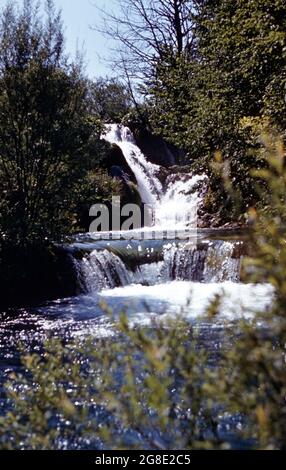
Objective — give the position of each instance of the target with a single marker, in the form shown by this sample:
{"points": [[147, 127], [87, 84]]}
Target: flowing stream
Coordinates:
{"points": [[146, 278]]}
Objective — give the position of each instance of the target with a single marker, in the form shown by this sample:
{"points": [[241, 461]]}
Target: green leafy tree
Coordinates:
{"points": [[109, 99], [44, 126], [236, 70]]}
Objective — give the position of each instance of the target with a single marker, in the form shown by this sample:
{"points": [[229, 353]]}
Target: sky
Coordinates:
{"points": [[78, 17]]}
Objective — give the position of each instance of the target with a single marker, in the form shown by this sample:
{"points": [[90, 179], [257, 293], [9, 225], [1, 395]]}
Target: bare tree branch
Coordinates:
{"points": [[144, 31]]}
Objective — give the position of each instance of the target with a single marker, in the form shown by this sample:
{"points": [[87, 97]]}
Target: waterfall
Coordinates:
{"points": [[175, 205], [149, 186], [182, 263], [103, 269], [220, 263], [178, 205], [210, 262]]}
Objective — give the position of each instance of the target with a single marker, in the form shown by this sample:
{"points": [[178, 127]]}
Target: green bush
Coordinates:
{"points": [[256, 381]]}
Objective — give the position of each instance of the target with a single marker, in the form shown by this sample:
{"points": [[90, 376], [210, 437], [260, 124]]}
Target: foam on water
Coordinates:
{"points": [[192, 299]]}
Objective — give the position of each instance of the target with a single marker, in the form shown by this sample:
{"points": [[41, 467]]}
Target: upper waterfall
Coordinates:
{"points": [[174, 205], [149, 186]]}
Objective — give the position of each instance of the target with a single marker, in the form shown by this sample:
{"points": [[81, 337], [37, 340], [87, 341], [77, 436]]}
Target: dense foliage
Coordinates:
{"points": [[109, 99], [43, 129], [50, 124], [52, 161], [234, 73]]}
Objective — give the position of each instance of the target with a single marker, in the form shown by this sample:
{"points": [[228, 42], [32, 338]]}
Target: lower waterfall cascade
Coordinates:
{"points": [[173, 279], [210, 262]]}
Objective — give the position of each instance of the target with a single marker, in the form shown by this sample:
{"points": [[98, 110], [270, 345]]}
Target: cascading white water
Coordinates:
{"points": [[103, 269], [174, 207], [149, 186], [203, 267], [179, 204], [211, 262], [220, 264]]}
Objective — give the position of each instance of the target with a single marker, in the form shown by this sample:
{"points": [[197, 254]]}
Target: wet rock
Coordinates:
{"points": [[131, 194], [116, 158], [166, 175], [117, 172], [155, 148]]}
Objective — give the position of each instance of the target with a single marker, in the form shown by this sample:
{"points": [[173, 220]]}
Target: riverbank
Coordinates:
{"points": [[35, 274]]}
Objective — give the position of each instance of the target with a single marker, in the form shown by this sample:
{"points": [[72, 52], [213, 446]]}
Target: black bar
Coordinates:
{"points": [[130, 459]]}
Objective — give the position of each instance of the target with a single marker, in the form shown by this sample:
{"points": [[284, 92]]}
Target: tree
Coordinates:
{"points": [[245, 43], [44, 127], [109, 99], [240, 55], [145, 30], [235, 76]]}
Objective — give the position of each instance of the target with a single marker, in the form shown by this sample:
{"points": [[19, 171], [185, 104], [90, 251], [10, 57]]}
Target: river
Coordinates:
{"points": [[145, 273]]}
